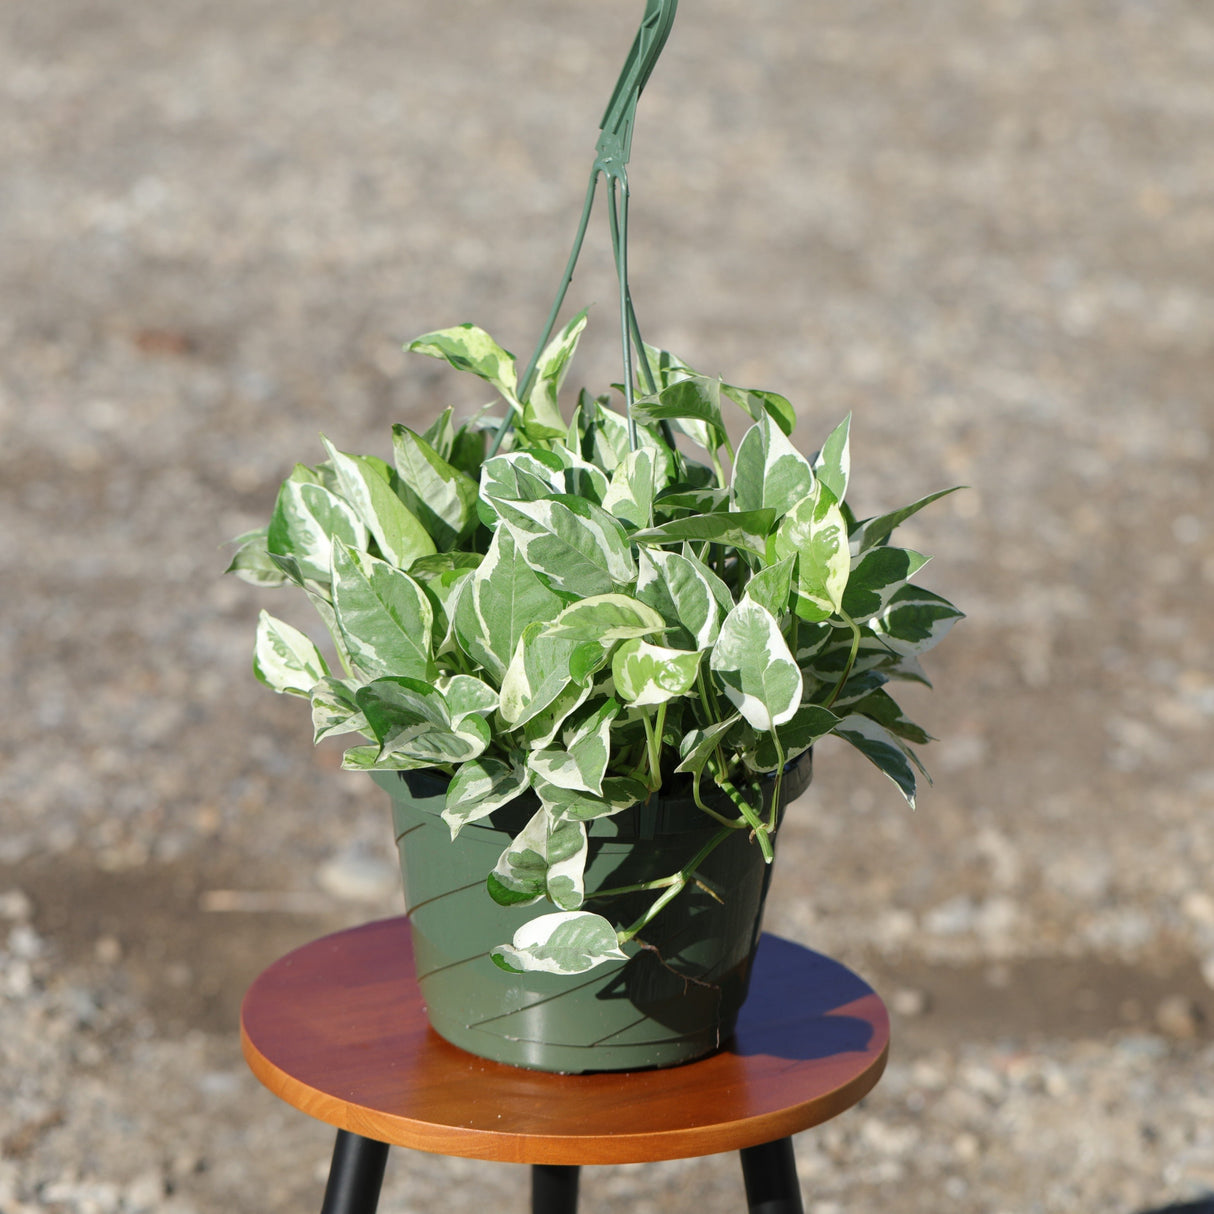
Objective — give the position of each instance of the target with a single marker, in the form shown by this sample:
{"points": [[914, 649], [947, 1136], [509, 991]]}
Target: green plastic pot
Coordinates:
{"points": [[677, 999]]}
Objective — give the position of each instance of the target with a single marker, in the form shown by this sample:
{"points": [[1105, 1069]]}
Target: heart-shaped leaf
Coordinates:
{"points": [[754, 666], [560, 943]]}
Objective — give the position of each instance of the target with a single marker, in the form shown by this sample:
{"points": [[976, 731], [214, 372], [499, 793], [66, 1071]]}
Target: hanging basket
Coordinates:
{"points": [[676, 998]]}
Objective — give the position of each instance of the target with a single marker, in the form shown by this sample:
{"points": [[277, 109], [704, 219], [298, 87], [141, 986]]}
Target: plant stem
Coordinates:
{"points": [[851, 659], [748, 812]]}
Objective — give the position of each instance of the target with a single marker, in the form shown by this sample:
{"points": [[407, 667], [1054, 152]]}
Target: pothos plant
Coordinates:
{"points": [[582, 609]]}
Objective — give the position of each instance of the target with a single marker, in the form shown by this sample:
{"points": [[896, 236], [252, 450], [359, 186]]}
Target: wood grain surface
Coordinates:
{"points": [[337, 1029]]}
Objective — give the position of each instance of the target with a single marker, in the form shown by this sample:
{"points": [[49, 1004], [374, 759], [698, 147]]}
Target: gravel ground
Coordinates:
{"points": [[983, 226]]}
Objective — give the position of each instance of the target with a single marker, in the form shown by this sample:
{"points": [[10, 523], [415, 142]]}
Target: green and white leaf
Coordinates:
{"points": [[756, 402], [753, 664], [541, 729], [335, 709], [542, 414], [874, 531], [537, 674], [772, 587], [914, 621], [384, 616], [284, 659], [651, 674], [886, 711], [606, 618], [369, 758], [561, 943], [815, 531], [746, 529], [580, 762], [466, 695], [619, 793], [468, 348], [365, 485], [876, 577], [500, 599], [307, 519], [881, 748], [681, 590], [441, 497], [768, 471], [809, 724], [630, 495], [833, 462], [574, 546], [547, 858], [252, 562], [411, 718], [693, 403], [479, 788]]}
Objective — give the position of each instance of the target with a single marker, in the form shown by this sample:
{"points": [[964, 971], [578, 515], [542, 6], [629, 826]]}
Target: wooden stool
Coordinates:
{"points": [[337, 1029]]}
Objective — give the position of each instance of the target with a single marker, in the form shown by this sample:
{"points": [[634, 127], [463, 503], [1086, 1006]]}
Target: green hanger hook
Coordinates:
{"points": [[612, 153]]}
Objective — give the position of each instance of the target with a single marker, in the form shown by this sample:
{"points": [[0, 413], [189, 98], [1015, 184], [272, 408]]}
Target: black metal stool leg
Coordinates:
{"points": [[770, 1173], [355, 1176], [553, 1189]]}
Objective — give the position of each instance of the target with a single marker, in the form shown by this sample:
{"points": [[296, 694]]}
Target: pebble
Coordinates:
{"points": [[1179, 1017], [15, 904], [909, 1001]]}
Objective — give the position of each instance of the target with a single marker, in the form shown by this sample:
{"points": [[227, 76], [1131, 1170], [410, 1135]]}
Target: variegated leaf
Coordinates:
{"points": [[284, 659], [884, 709], [815, 531], [630, 495], [480, 787], [538, 673], [807, 725], [618, 793], [756, 403], [466, 695], [502, 597], [876, 577], [384, 616], [768, 471], [680, 590], [252, 562], [914, 621], [335, 710], [605, 618], [365, 485], [875, 530], [547, 858], [881, 748], [468, 348], [833, 462], [651, 674], [560, 943], [746, 529], [369, 758], [441, 497], [411, 718], [576, 547], [754, 666], [695, 399], [580, 761], [772, 587], [307, 519], [542, 415]]}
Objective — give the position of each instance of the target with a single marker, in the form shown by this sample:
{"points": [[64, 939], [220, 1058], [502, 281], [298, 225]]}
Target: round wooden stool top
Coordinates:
{"points": [[338, 1029]]}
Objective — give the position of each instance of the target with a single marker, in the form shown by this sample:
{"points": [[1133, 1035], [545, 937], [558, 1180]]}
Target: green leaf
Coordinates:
{"points": [[575, 547], [440, 434], [915, 620], [560, 943], [757, 403], [466, 695], [695, 398], [335, 710], [651, 674], [816, 532], [619, 793], [808, 724], [252, 562], [368, 758], [501, 598], [700, 745], [480, 787], [284, 659], [399, 534], [442, 576], [704, 500], [884, 709], [768, 471], [542, 415], [772, 587], [540, 730], [876, 577], [748, 529], [754, 666], [547, 858], [307, 519], [875, 530], [605, 618], [833, 462], [679, 589], [441, 497], [468, 348], [880, 747], [384, 616]]}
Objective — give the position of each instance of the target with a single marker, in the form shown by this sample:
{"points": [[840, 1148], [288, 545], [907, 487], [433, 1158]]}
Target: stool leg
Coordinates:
{"points": [[770, 1174], [553, 1189], [355, 1176]]}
